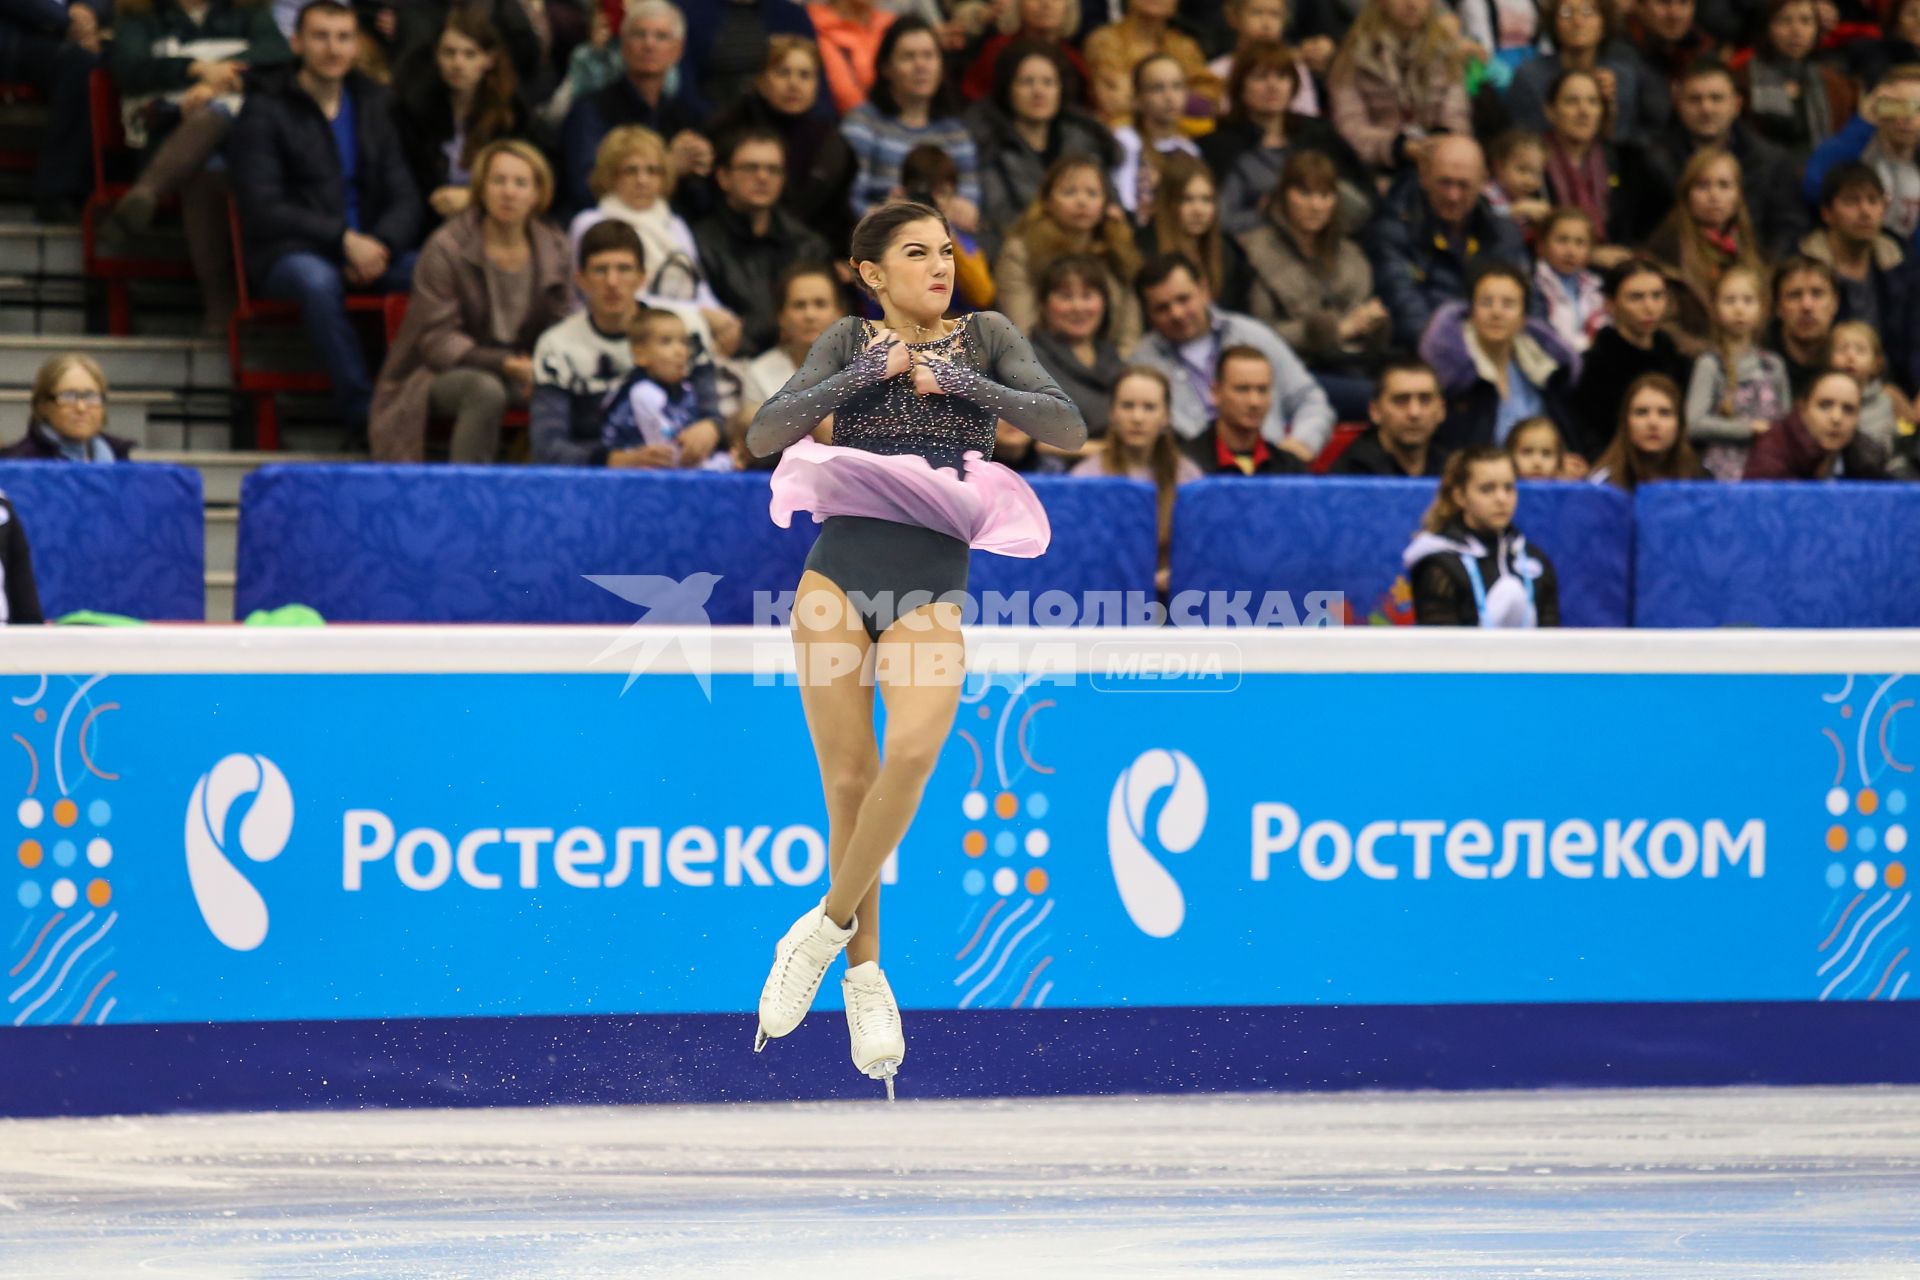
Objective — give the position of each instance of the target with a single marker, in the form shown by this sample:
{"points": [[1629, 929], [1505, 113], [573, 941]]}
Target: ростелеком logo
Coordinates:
{"points": [[1148, 891], [231, 906]]}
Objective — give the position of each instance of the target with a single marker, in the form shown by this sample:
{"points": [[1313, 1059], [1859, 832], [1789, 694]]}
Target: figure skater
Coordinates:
{"points": [[905, 492]]}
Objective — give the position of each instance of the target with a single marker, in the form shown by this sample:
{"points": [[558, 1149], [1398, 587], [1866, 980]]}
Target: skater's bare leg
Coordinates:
{"points": [[919, 666], [831, 647]]}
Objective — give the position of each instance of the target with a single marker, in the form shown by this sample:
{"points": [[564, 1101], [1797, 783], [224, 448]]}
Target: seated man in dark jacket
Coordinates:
{"points": [[1231, 444], [652, 37], [749, 240], [1707, 106], [1430, 235], [1407, 409], [326, 200]]}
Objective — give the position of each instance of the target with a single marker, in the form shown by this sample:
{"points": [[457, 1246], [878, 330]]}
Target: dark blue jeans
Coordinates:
{"points": [[59, 70], [318, 288]]}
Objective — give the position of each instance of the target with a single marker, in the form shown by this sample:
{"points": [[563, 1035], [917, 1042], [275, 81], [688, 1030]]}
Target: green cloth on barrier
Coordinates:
{"points": [[88, 618], [287, 615]]}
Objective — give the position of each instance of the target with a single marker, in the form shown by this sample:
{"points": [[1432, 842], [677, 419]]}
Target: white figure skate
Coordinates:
{"points": [[873, 1023], [800, 960]]}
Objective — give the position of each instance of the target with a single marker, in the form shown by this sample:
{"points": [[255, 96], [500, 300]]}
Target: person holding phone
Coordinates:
{"points": [[1884, 135]]}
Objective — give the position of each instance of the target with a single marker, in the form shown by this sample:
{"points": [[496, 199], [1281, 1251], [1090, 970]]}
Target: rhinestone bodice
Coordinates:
{"points": [[892, 417]]}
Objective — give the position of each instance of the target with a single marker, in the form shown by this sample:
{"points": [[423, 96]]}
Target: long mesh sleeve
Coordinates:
{"points": [[1019, 389], [836, 368]]}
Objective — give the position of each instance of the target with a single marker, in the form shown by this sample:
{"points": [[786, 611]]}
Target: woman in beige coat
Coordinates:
{"points": [[1073, 213], [1313, 284], [489, 282]]}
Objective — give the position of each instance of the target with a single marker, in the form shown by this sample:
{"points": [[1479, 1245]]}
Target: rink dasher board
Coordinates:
{"points": [[400, 864], [400, 648]]}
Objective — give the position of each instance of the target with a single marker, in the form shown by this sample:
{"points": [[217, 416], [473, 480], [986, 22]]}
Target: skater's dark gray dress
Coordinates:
{"points": [[907, 487]]}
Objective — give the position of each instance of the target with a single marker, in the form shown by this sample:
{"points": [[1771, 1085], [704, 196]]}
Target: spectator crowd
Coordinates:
{"points": [[1625, 241]]}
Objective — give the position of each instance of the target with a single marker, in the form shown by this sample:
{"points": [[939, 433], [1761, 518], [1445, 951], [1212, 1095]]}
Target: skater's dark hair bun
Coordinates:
{"points": [[876, 232]]}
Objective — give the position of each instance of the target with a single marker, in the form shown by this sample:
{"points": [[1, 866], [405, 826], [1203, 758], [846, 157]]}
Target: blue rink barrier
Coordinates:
{"points": [[462, 866], [487, 544], [1317, 534], [128, 539], [1777, 554]]}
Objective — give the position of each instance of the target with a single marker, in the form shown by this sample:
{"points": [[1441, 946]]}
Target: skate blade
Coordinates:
{"points": [[884, 1071]]}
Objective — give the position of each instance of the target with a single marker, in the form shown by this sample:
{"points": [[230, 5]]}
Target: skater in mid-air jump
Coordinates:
{"points": [[906, 490]]}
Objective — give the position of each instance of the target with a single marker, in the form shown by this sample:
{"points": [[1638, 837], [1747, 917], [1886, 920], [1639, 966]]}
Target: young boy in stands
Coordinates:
{"points": [[656, 418], [579, 362]]}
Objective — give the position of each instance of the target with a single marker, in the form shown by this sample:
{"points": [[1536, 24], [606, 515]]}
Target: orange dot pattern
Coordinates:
{"points": [[1836, 838], [30, 853], [99, 893], [975, 843], [1036, 881], [66, 813], [1006, 804], [1896, 875], [1868, 800]]}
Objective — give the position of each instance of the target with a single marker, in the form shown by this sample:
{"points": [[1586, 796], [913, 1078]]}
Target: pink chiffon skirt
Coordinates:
{"points": [[992, 509]]}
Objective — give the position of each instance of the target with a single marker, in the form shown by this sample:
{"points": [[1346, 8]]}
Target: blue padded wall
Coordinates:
{"points": [[480, 544], [1321, 533], [128, 538], [1777, 555]]}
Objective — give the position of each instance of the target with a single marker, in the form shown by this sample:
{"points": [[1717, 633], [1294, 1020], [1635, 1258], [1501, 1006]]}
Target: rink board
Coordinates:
{"points": [[477, 865]]}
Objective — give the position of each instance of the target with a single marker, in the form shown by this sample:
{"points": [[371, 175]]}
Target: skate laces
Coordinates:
{"points": [[875, 1015], [796, 982]]}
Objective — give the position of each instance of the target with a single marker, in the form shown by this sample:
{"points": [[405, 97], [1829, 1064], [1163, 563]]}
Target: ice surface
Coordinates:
{"points": [[1696, 1184]]}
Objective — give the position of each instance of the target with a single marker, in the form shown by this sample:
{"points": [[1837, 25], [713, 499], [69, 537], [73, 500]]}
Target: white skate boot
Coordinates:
{"points": [[873, 1023], [800, 960]]}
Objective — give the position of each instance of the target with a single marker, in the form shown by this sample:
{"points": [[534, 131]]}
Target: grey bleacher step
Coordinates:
{"points": [[30, 249], [196, 363], [222, 472], [23, 320], [42, 304], [220, 596], [223, 539], [127, 415], [174, 435]]}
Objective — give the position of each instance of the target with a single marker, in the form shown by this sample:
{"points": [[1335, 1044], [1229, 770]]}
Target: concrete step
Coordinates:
{"points": [[149, 362], [220, 596], [127, 416], [223, 539], [221, 473], [29, 249], [42, 304], [35, 320], [188, 436]]}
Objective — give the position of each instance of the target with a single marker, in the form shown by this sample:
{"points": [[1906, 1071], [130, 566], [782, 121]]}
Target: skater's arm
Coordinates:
{"points": [[1019, 391], [834, 371]]}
